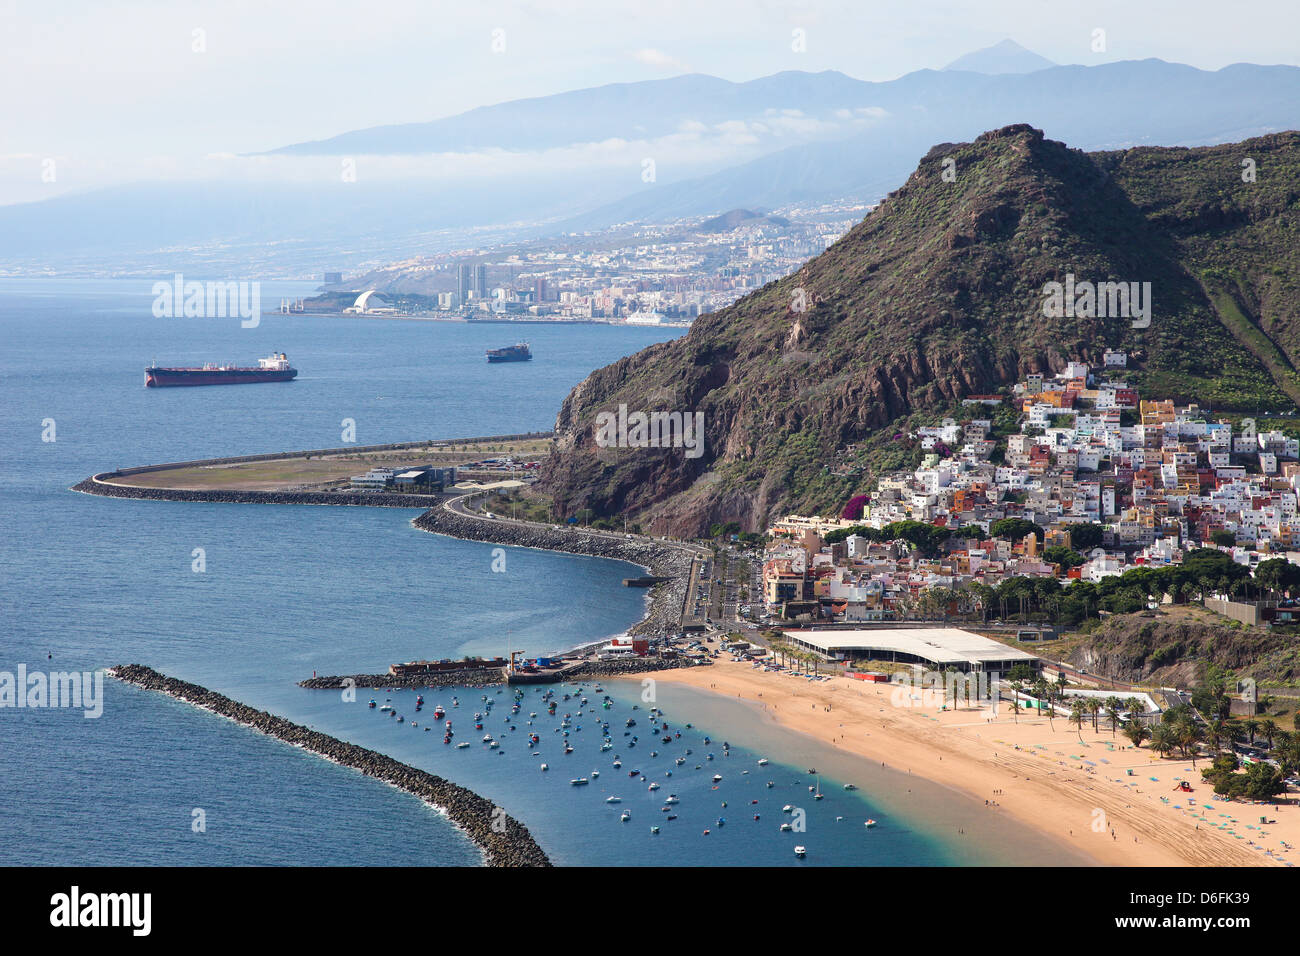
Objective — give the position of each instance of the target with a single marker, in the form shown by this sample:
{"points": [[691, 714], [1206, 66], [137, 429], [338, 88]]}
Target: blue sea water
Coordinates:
{"points": [[289, 591]]}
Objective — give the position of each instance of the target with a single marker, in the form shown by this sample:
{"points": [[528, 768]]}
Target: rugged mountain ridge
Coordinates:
{"points": [[938, 295]]}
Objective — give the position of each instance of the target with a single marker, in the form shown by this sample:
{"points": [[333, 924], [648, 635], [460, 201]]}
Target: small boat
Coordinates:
{"points": [[770, 785], [371, 705], [613, 799], [679, 761], [595, 774], [624, 816], [578, 781], [869, 824], [706, 831], [462, 745], [763, 762], [671, 816], [545, 767], [788, 808], [717, 777], [654, 829], [654, 786], [672, 798], [850, 786], [800, 852], [722, 821], [400, 719], [786, 828], [386, 709]]}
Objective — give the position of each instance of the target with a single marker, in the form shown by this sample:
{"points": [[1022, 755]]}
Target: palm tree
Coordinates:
{"points": [[1251, 726], [1016, 687], [953, 677], [1094, 708], [1187, 734], [1136, 731], [1215, 731], [1163, 739], [1113, 708], [1269, 729], [1078, 715]]}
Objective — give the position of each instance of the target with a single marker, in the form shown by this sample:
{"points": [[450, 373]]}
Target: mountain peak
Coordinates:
{"points": [[1005, 57], [809, 386]]}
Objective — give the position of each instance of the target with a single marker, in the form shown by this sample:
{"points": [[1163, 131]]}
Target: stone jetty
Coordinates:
{"points": [[493, 676], [477, 677], [504, 840]]}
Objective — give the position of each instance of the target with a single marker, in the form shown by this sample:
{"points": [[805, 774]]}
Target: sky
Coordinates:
{"points": [[123, 90]]}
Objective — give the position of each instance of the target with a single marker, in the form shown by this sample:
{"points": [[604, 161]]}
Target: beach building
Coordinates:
{"points": [[935, 647]]}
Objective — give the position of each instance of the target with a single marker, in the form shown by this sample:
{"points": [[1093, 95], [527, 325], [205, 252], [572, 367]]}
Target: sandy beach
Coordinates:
{"points": [[1088, 789]]}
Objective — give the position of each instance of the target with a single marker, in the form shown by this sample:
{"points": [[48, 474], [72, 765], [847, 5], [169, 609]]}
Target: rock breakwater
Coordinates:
{"points": [[504, 840]]}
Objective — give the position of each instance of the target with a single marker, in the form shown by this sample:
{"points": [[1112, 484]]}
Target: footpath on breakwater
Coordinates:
{"points": [[666, 560], [504, 840]]}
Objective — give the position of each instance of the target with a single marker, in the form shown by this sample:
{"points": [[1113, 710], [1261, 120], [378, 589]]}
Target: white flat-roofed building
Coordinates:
{"points": [[936, 647]]}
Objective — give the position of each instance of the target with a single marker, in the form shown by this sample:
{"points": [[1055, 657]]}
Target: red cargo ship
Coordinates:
{"points": [[275, 368]]}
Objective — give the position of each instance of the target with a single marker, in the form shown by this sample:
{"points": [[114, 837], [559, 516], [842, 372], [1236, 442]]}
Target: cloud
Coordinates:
{"points": [[660, 60]]}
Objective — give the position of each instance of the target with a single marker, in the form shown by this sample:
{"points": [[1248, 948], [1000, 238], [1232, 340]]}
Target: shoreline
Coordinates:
{"points": [[1011, 766], [660, 559], [503, 840]]}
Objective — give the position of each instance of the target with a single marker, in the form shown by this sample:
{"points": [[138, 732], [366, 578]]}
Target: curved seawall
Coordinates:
{"points": [[660, 558], [504, 840]]}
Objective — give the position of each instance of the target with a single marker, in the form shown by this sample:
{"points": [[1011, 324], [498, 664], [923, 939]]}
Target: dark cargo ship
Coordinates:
{"points": [[512, 353], [275, 368]]}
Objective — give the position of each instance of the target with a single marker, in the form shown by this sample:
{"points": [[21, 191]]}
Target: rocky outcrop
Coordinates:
{"points": [[937, 295], [1175, 653], [504, 840]]}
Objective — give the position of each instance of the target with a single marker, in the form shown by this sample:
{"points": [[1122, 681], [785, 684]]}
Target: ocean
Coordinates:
{"points": [[291, 591]]}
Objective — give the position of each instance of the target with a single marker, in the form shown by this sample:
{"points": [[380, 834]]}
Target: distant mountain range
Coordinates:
{"points": [[808, 387], [1005, 57], [768, 143]]}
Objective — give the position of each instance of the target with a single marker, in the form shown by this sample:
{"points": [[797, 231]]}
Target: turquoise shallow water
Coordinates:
{"points": [[288, 591]]}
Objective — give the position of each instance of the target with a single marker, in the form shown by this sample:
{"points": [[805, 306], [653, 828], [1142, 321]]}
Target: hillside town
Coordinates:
{"points": [[1094, 482]]}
